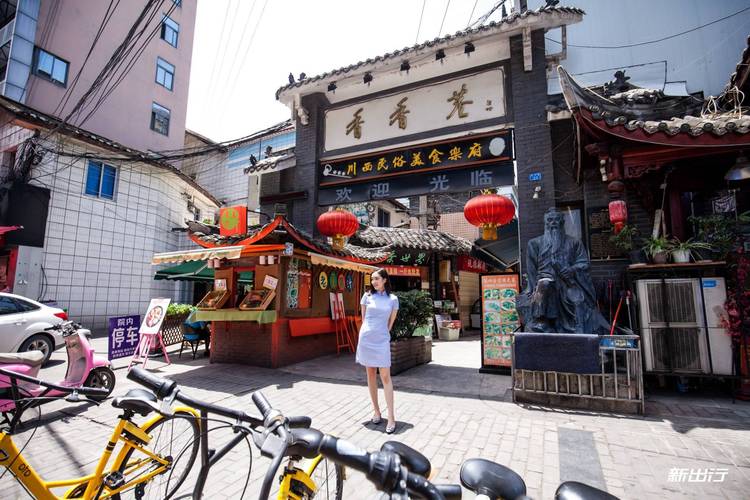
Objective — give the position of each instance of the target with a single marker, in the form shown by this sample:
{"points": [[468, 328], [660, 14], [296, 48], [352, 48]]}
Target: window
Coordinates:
{"points": [[8, 306], [178, 3], [164, 73], [384, 218], [100, 180], [169, 31], [50, 67], [24, 305], [159, 119]]}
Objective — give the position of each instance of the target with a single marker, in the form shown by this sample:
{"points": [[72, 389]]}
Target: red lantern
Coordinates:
{"points": [[618, 214], [339, 224], [489, 211]]}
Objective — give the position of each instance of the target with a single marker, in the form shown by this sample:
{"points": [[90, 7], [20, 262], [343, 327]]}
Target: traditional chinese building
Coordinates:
{"points": [[447, 118]]}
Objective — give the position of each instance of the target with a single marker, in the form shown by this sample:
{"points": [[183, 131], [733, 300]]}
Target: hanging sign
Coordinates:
{"points": [[323, 280], [233, 220], [499, 317], [471, 264], [333, 280], [407, 257], [430, 157], [349, 281]]}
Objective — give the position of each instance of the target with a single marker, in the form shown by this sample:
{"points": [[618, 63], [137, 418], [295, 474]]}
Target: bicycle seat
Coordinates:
{"points": [[411, 458], [29, 358], [305, 443], [140, 401], [489, 478], [573, 490]]}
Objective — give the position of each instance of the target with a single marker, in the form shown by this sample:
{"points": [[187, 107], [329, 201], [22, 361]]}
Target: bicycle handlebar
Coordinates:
{"points": [[86, 391], [383, 468], [163, 388]]}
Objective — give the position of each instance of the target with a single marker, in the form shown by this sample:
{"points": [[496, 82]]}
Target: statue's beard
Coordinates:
{"points": [[553, 238]]}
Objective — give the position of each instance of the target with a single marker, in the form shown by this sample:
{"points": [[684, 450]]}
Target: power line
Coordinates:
{"points": [[472, 12], [445, 14], [212, 75], [639, 44], [419, 26]]}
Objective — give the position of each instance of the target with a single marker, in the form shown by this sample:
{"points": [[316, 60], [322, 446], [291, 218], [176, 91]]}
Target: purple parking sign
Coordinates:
{"points": [[123, 336]]}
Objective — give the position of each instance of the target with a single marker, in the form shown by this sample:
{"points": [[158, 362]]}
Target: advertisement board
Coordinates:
{"points": [[499, 318], [123, 336]]}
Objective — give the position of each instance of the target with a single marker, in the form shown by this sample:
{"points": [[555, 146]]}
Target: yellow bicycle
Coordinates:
{"points": [[152, 461]]}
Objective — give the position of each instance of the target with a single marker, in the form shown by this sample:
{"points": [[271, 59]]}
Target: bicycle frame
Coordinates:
{"points": [[10, 458], [294, 475]]}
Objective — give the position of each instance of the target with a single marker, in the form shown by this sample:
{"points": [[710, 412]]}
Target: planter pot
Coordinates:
{"points": [[681, 256], [660, 257], [448, 333], [637, 257], [410, 352]]}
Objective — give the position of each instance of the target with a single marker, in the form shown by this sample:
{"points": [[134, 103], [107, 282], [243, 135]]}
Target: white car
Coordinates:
{"points": [[23, 322]]}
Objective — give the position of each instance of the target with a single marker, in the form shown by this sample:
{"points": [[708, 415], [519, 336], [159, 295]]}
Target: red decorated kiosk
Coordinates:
{"points": [[299, 284]]}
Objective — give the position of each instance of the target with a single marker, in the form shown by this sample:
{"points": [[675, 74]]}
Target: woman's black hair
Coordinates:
{"points": [[383, 274]]}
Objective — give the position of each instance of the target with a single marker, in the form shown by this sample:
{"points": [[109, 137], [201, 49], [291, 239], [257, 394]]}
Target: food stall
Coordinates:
{"points": [[299, 284]]}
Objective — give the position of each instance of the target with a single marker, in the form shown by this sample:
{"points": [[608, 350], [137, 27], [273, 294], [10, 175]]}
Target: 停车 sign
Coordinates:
{"points": [[459, 181], [123, 336], [433, 157]]}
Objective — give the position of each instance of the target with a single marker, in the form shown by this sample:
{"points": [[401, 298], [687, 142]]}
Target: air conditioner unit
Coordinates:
{"points": [[680, 327]]}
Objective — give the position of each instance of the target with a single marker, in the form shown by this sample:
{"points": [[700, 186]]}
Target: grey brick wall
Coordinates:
{"points": [[567, 190], [532, 137]]}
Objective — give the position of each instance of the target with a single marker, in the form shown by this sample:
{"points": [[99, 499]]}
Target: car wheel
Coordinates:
{"points": [[38, 342]]}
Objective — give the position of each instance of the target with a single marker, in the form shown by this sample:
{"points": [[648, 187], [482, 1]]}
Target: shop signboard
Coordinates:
{"points": [[403, 271], [233, 220], [459, 101], [123, 336], [499, 318], [600, 231], [407, 257], [157, 311], [471, 264]]}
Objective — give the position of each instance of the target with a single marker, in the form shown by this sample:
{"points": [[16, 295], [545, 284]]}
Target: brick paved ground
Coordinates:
{"points": [[631, 456]]}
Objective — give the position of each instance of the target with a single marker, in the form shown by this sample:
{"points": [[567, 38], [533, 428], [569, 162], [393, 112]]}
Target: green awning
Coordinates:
{"points": [[195, 271]]}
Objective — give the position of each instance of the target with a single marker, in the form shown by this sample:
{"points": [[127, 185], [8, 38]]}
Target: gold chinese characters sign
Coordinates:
{"points": [[463, 100], [471, 163]]}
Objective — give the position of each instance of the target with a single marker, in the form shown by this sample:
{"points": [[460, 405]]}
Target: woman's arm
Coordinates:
{"points": [[364, 309], [392, 319]]}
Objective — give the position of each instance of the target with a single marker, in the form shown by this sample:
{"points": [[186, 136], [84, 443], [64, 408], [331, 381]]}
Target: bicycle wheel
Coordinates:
{"points": [[328, 477], [175, 438]]}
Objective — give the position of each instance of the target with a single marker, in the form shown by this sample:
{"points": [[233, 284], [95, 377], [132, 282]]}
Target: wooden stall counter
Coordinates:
{"points": [[235, 315]]}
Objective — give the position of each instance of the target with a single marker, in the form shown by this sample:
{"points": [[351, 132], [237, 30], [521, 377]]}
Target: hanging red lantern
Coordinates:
{"points": [[339, 224], [618, 214], [489, 211]]}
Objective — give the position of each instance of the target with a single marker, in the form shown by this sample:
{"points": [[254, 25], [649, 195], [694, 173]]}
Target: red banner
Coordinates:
{"points": [[233, 220], [403, 271], [471, 264]]}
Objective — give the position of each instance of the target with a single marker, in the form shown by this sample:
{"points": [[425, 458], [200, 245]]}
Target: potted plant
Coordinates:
{"points": [[657, 249], [719, 231], [625, 240], [683, 250], [408, 347]]}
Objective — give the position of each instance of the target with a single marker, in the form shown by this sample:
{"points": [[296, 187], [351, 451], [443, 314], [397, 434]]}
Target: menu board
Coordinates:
{"points": [[499, 317], [599, 231]]}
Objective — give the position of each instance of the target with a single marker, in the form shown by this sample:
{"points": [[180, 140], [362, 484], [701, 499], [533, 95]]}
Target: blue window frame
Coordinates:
{"points": [[160, 119], [101, 180], [170, 31], [164, 73]]}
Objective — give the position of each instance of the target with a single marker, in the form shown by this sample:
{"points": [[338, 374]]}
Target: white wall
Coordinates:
{"points": [[703, 58], [97, 252]]}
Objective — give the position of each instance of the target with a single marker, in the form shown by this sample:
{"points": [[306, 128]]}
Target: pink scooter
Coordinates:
{"points": [[84, 369]]}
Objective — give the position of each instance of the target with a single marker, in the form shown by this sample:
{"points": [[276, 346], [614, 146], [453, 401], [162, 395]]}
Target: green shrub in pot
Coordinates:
{"points": [[414, 311], [657, 249], [683, 250], [627, 240]]}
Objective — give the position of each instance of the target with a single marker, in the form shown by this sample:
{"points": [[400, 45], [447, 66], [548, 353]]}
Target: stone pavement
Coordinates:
{"points": [[661, 455]]}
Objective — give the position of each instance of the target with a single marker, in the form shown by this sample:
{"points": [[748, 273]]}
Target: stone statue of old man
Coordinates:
{"points": [[559, 295]]}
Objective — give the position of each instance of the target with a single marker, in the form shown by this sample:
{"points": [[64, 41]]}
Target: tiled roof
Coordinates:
{"points": [[280, 235], [651, 111], [419, 239], [506, 22], [43, 119], [280, 161]]}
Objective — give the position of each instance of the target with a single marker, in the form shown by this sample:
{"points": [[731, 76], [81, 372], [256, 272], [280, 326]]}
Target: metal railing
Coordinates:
{"points": [[620, 380]]}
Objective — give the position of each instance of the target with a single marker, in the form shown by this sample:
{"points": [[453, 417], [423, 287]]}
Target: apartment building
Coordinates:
{"points": [[45, 64]]}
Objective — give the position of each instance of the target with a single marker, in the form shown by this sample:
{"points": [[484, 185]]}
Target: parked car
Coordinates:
{"points": [[23, 322]]}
